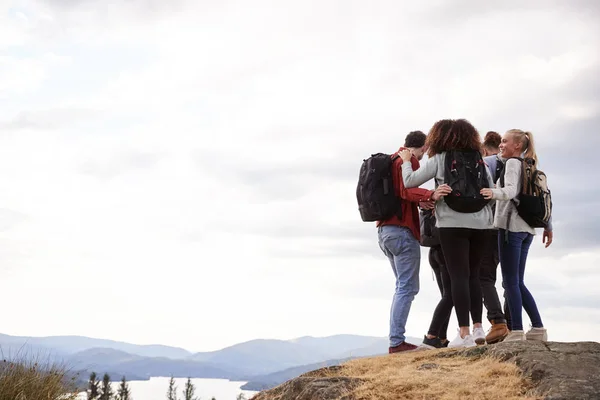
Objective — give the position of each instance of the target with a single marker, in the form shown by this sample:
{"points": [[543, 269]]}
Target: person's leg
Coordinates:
{"points": [[434, 262], [443, 311], [405, 252], [510, 254], [528, 301], [477, 249], [507, 310], [479, 242], [455, 245], [445, 277], [487, 277]]}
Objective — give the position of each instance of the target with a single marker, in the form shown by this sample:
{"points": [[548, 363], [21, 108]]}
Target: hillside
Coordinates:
{"points": [[134, 367], [263, 362], [263, 382], [67, 345], [341, 351], [517, 370]]}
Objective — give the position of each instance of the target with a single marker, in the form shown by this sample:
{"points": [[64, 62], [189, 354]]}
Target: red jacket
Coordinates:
{"points": [[410, 199]]}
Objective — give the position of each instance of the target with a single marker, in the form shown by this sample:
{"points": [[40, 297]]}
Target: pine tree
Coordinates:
{"points": [[241, 396], [123, 393], [188, 392], [172, 393], [93, 387], [107, 393]]}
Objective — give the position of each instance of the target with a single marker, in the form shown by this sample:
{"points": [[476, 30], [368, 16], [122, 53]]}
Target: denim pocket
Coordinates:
{"points": [[394, 239]]}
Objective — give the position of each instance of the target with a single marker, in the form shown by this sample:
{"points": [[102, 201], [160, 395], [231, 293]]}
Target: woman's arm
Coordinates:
{"points": [[423, 174], [512, 176]]}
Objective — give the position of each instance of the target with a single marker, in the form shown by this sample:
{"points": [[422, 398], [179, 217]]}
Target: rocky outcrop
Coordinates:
{"points": [[324, 383], [557, 371], [553, 370]]}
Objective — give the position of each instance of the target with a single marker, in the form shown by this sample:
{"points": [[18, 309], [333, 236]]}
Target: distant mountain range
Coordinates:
{"points": [[262, 362]]}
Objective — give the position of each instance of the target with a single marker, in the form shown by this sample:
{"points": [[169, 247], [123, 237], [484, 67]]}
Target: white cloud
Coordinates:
{"points": [[186, 161]]}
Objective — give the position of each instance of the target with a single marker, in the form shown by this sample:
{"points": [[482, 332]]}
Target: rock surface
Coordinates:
{"points": [[321, 384], [557, 371]]}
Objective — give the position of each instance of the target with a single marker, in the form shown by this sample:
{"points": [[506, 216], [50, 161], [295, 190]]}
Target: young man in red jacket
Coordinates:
{"points": [[399, 240]]}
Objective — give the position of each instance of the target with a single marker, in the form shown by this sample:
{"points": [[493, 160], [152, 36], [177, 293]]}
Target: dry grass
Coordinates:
{"points": [[431, 375], [24, 379]]}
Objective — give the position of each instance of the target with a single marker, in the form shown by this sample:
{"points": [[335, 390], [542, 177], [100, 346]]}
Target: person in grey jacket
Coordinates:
{"points": [[463, 236], [489, 265], [515, 236]]}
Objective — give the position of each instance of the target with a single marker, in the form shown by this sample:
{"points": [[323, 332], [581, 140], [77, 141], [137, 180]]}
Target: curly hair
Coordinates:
{"points": [[452, 134], [492, 140]]}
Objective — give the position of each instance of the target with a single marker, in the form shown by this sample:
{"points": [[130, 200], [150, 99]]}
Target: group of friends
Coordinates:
{"points": [[465, 246]]}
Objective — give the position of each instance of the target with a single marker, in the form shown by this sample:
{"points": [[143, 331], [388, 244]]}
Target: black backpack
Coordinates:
{"points": [[377, 200], [535, 199], [429, 232], [466, 173]]}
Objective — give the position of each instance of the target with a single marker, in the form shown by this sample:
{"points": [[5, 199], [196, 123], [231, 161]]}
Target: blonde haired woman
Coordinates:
{"points": [[515, 235]]}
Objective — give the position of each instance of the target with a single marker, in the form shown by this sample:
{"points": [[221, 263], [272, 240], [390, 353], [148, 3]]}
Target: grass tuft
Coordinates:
{"points": [[30, 378]]}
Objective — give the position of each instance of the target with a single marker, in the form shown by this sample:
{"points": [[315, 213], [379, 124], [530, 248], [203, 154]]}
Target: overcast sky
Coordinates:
{"points": [[184, 172]]}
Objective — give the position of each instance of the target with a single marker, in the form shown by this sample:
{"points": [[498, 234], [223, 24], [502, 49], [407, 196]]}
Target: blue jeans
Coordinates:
{"points": [[513, 257], [404, 252]]}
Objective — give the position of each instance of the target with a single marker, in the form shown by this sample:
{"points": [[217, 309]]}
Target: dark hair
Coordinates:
{"points": [[492, 140], [452, 134], [415, 139]]}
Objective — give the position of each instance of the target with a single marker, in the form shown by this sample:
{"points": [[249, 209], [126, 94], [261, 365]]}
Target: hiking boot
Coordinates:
{"points": [[479, 336], [458, 341], [434, 343], [404, 346], [515, 336], [540, 334], [444, 342], [497, 332]]}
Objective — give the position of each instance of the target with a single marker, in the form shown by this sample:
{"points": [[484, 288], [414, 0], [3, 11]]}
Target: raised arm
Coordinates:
{"points": [[423, 174], [511, 181]]}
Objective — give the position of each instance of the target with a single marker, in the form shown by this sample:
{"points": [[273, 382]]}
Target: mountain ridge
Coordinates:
{"points": [[240, 361]]}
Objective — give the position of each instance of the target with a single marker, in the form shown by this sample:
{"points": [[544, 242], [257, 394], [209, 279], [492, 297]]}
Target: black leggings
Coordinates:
{"points": [[463, 251], [439, 326]]}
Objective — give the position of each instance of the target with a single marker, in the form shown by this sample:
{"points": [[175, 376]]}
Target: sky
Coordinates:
{"points": [[184, 172]]}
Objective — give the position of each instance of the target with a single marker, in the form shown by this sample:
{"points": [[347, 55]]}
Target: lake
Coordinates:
{"points": [[206, 389]]}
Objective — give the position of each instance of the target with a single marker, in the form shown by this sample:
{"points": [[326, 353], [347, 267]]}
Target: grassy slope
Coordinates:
{"points": [[420, 375]]}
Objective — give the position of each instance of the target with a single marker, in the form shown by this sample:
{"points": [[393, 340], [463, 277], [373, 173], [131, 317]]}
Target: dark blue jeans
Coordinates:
{"points": [[513, 257]]}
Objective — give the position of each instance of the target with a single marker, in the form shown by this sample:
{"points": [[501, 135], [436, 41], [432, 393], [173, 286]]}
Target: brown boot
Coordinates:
{"points": [[497, 333]]}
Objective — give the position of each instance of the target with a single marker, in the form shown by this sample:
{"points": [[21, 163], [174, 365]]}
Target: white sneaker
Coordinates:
{"points": [[479, 336], [515, 336], [537, 334], [467, 341]]}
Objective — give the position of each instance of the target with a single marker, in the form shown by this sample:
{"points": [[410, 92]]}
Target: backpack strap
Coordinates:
{"points": [[501, 179]]}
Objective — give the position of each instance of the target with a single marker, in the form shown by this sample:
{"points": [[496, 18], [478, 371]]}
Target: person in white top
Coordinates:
{"points": [[515, 236]]}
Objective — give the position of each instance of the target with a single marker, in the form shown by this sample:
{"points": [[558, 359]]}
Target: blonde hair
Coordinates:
{"points": [[526, 139]]}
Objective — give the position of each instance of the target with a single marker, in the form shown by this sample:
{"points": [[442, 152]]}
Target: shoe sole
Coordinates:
{"points": [[536, 339], [498, 340]]}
